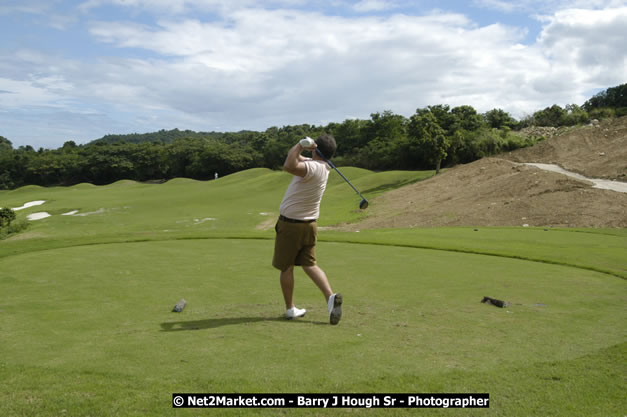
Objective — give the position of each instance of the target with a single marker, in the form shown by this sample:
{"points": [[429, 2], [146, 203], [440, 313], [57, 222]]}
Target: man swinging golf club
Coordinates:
{"points": [[296, 229]]}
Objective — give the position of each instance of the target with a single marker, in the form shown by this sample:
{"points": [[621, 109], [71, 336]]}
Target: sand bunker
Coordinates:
{"points": [[30, 204], [33, 216], [206, 219], [38, 216], [89, 213]]}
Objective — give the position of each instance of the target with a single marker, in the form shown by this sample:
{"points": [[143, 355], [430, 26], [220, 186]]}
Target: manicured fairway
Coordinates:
{"points": [[413, 322], [86, 326]]}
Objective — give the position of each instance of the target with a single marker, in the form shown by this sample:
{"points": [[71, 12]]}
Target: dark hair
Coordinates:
{"points": [[326, 145]]}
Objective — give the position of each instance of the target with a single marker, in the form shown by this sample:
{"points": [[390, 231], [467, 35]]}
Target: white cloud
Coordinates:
{"points": [[502, 5], [26, 6], [335, 68], [254, 68], [589, 42], [547, 6], [62, 22], [373, 5], [44, 10], [178, 7], [17, 94]]}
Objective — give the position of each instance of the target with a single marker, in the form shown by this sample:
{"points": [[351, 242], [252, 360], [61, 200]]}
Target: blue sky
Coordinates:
{"points": [[77, 70]]}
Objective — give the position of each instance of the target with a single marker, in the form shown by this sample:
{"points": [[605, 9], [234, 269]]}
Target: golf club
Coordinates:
{"points": [[363, 204]]}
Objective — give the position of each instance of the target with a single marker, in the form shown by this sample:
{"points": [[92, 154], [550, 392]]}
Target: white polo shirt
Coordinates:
{"points": [[302, 198]]}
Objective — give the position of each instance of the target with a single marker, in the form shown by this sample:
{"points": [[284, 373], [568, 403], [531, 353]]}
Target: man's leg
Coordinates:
{"points": [[319, 278], [334, 301], [287, 286]]}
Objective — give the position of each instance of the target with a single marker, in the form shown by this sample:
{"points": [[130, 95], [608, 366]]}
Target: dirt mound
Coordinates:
{"points": [[503, 192], [597, 151]]}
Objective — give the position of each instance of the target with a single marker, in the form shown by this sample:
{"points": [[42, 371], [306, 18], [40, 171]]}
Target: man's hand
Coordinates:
{"points": [[307, 143], [295, 162]]}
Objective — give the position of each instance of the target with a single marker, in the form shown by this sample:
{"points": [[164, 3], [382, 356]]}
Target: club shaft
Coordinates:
{"points": [[338, 171], [345, 179]]}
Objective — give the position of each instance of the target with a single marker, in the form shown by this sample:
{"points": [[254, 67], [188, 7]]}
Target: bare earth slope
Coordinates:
{"points": [[598, 151], [502, 192]]}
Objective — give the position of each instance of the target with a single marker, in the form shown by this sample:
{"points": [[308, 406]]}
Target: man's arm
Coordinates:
{"points": [[295, 162]]}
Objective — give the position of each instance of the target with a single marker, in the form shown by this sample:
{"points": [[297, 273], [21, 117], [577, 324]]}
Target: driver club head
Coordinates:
{"points": [[363, 204]]}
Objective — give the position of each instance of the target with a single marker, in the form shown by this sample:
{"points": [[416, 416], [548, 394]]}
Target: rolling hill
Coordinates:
{"points": [[503, 191]]}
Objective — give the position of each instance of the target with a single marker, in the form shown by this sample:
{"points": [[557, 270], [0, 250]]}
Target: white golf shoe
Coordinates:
{"points": [[335, 308], [294, 312]]}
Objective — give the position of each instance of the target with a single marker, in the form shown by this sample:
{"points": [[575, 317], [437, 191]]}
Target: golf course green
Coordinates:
{"points": [[86, 327]]}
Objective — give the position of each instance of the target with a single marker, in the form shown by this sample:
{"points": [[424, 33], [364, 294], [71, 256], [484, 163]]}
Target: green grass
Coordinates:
{"points": [[597, 250], [86, 327]]}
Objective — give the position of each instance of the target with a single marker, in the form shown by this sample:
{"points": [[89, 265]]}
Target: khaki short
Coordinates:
{"points": [[295, 244]]}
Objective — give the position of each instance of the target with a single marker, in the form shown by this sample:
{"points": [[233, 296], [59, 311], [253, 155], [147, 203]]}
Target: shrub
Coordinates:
{"points": [[6, 217], [602, 113], [8, 225]]}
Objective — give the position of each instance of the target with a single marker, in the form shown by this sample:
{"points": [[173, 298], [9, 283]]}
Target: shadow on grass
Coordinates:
{"points": [[175, 326], [393, 185]]}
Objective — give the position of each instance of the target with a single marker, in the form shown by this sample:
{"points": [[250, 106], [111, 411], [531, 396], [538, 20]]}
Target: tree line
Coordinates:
{"points": [[434, 137]]}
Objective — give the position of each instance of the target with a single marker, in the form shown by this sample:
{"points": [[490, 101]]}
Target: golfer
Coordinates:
{"points": [[297, 229]]}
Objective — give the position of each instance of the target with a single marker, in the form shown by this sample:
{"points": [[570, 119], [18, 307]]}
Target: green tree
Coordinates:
{"points": [[554, 116], [614, 97], [383, 136], [575, 115], [350, 135], [274, 154], [6, 216], [148, 161], [498, 118], [385, 126], [379, 154], [44, 169], [425, 130], [179, 155], [222, 158], [109, 163], [466, 118], [6, 164], [69, 146], [443, 116], [5, 144]]}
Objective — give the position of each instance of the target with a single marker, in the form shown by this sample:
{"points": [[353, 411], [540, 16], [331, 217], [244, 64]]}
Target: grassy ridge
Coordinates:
{"points": [[245, 204], [236, 202], [241, 204]]}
